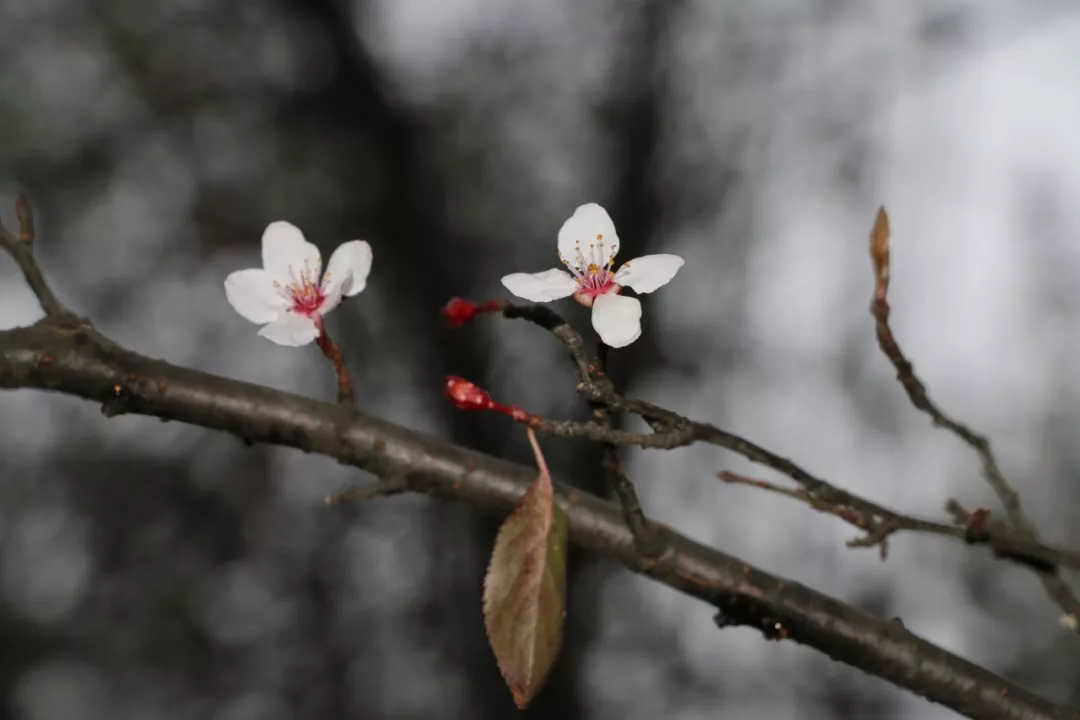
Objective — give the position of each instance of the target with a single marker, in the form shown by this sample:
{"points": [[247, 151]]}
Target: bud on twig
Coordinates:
{"points": [[879, 254], [26, 219], [467, 395], [459, 311]]}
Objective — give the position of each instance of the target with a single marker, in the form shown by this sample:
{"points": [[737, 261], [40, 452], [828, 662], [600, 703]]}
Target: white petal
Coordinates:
{"points": [[252, 294], [291, 329], [588, 237], [286, 254], [542, 286], [649, 272], [617, 319], [347, 272]]}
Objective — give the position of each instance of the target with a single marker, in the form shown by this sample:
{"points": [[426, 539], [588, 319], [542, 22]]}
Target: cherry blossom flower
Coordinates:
{"points": [[587, 247], [290, 294]]}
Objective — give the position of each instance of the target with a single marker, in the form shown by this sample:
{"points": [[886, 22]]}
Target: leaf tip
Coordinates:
{"points": [[520, 698]]}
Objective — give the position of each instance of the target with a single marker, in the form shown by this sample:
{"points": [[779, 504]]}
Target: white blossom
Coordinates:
{"points": [[290, 294], [587, 246]]}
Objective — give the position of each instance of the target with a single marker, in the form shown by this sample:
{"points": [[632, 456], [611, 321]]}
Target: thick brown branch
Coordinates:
{"points": [[81, 362]]}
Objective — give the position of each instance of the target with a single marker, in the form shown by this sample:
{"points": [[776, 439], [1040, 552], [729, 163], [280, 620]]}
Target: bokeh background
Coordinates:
{"points": [[151, 570]]}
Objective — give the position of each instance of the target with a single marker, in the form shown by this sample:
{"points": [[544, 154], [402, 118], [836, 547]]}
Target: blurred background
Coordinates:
{"points": [[151, 570]]}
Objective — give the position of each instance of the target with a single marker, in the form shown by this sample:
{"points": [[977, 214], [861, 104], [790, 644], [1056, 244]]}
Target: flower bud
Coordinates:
{"points": [[459, 311], [466, 395]]}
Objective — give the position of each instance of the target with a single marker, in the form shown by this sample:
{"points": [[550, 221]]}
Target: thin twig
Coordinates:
{"points": [[554, 323], [646, 539], [382, 487], [919, 396], [880, 523], [21, 249]]}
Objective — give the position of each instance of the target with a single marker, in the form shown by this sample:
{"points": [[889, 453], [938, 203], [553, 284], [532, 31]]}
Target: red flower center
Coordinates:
{"points": [[592, 269], [306, 295], [594, 282]]}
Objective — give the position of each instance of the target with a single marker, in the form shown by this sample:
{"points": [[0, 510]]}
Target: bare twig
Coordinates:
{"points": [[554, 323], [646, 540], [383, 487], [880, 523], [919, 396], [865, 517], [21, 249]]}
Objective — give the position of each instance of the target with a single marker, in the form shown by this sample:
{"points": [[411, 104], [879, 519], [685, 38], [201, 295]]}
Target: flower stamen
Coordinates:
{"points": [[303, 293], [593, 271]]}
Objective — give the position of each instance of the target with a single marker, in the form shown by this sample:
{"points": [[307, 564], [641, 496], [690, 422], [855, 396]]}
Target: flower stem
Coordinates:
{"points": [[333, 353]]}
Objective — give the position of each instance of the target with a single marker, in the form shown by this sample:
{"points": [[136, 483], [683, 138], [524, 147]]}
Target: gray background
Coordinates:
{"points": [[151, 570]]}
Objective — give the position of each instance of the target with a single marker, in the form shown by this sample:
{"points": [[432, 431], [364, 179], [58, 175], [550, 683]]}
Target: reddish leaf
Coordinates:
{"points": [[525, 588]]}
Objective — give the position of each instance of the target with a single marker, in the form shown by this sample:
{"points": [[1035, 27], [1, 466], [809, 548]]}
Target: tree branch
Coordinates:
{"points": [[80, 361], [66, 354]]}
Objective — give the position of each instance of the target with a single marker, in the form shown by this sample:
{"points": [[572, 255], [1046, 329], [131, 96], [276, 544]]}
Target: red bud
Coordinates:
{"points": [[466, 395], [459, 311]]}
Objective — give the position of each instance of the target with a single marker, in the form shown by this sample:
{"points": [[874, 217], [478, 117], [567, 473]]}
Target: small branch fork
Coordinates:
{"points": [[64, 353]]}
